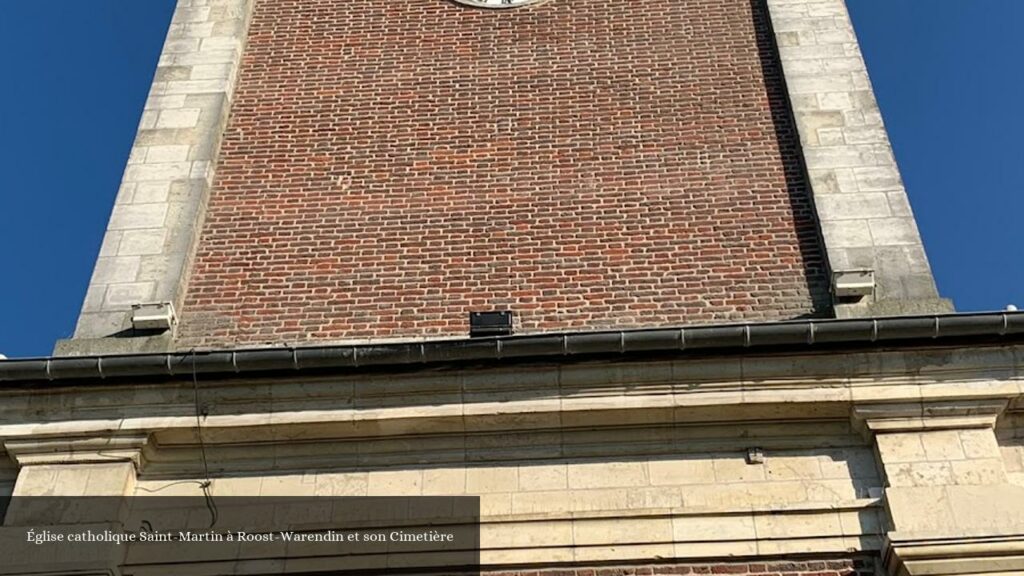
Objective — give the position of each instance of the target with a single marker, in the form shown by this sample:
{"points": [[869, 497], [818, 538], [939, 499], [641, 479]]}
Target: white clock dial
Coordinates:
{"points": [[497, 3]]}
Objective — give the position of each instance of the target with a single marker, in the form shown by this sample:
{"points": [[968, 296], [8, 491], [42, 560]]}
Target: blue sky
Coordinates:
{"points": [[947, 73]]}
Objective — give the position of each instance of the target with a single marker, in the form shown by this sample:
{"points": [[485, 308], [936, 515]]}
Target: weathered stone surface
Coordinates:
{"points": [[859, 197], [178, 135]]}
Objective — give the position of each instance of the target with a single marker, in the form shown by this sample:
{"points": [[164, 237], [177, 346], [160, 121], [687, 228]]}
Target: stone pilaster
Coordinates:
{"points": [[103, 466], [159, 208], [951, 509], [69, 485], [862, 207]]}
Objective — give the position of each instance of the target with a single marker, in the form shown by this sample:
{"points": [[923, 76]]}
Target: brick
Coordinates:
{"points": [[384, 193]]}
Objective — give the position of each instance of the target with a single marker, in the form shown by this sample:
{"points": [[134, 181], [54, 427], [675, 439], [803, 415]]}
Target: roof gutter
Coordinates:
{"points": [[792, 335]]}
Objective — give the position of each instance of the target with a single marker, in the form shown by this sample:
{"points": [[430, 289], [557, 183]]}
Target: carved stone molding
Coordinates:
{"points": [[878, 418], [93, 449], [997, 555]]}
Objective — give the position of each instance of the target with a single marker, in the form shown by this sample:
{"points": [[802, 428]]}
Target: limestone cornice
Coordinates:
{"points": [[84, 449], [993, 555], [921, 416], [894, 389]]}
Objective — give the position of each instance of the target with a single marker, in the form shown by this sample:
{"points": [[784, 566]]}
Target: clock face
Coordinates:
{"points": [[497, 3]]}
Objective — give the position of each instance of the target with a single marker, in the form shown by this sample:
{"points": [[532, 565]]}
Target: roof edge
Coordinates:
{"points": [[727, 338]]}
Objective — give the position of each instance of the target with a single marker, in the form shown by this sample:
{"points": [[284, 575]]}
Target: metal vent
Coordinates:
{"points": [[482, 324]]}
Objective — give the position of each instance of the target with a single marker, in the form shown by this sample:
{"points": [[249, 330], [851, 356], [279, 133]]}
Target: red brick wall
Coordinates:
{"points": [[391, 165], [857, 567]]}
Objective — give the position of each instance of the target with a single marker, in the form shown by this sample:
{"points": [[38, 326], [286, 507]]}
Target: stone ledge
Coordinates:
{"points": [[994, 556], [98, 449], [901, 307], [111, 345]]}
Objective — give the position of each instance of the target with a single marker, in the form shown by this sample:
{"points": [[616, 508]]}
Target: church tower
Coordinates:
{"points": [[325, 171], [641, 277]]}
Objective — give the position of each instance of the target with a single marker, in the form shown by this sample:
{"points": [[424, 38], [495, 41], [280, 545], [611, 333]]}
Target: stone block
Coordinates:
{"points": [[861, 522], [116, 269], [839, 490], [986, 509], [543, 477], [124, 295], [161, 172], [716, 549], [835, 102], [778, 493], [979, 472], [607, 475], [713, 528], [141, 242], [803, 525], [822, 83], [852, 206], [178, 118], [850, 463], [831, 137], [942, 445], [792, 468], [919, 474], [444, 481], [151, 192], [212, 71], [97, 325], [157, 102], [138, 216], [847, 234], [599, 500], [618, 531], [831, 181], [550, 501], [660, 497], [196, 87], [1013, 458], [495, 504], [288, 485], [94, 296], [675, 472], [526, 535], [865, 135], [878, 178], [395, 483], [894, 232], [488, 480], [170, 153]]}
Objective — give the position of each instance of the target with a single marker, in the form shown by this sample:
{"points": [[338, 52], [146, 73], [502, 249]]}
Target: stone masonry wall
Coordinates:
{"points": [[599, 509], [391, 166], [1011, 446], [861, 205], [151, 234], [851, 567]]}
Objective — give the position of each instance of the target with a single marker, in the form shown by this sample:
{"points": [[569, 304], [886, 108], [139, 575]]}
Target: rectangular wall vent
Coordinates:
{"points": [[482, 324]]}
